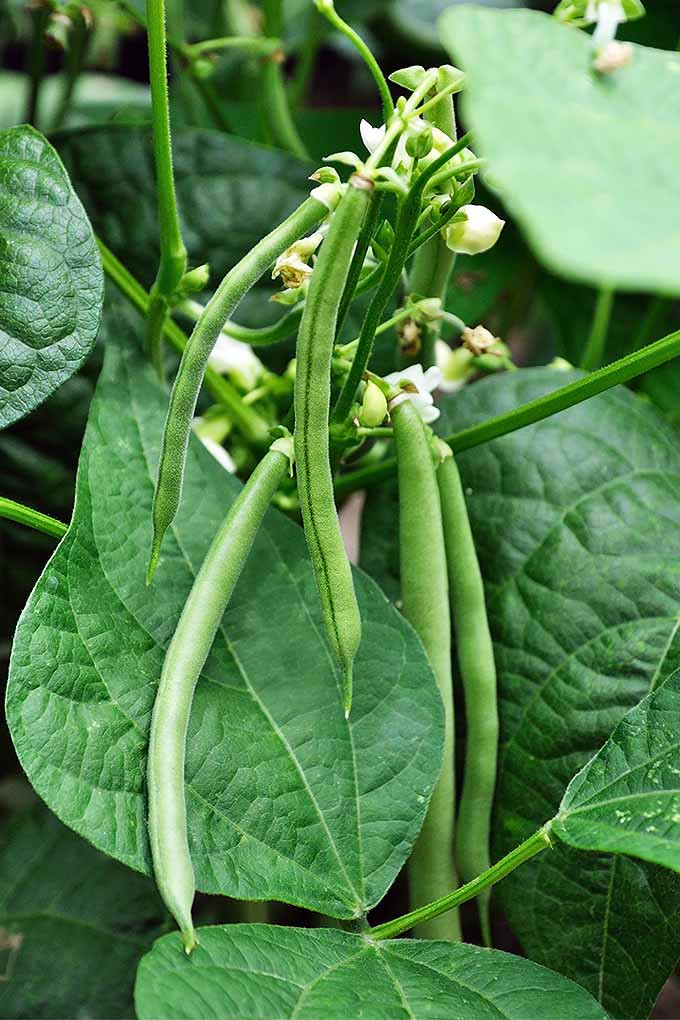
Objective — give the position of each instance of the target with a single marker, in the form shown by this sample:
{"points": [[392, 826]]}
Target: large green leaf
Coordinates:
{"points": [[576, 524], [82, 921], [51, 291], [259, 972], [627, 798], [286, 799], [230, 193], [584, 162], [416, 20]]}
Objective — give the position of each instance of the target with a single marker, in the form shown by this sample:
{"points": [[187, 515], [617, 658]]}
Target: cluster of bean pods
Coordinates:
{"points": [[438, 560]]}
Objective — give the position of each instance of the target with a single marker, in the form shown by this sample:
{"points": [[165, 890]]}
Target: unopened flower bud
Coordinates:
{"points": [[374, 406], [420, 145], [455, 366], [196, 279], [203, 68], [477, 231]]}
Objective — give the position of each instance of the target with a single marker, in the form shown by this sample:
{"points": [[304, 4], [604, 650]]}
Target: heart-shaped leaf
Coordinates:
{"points": [[73, 924], [52, 286], [627, 798], [286, 799], [555, 133], [261, 972], [230, 193]]}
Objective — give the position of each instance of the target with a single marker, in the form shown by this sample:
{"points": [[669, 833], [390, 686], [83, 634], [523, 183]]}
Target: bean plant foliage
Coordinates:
{"points": [[274, 784]]}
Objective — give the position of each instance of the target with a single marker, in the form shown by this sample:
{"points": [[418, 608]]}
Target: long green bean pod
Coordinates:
{"points": [[195, 359], [183, 663], [425, 597], [478, 675], [312, 401]]}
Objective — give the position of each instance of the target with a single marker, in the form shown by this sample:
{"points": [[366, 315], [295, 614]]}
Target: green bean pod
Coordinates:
{"points": [[312, 402], [195, 360], [183, 663], [478, 676], [425, 597]]}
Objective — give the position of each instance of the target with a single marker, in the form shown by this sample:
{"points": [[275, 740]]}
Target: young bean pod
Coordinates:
{"points": [[425, 597], [478, 676], [183, 663], [195, 359], [312, 401]]}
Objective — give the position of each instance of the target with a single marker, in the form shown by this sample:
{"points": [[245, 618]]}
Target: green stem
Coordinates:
{"points": [[13, 511], [594, 352], [328, 10], [358, 259], [206, 90], [474, 650], [36, 62], [249, 44], [425, 597], [424, 236], [248, 422], [173, 257], [275, 108], [306, 62], [621, 371], [75, 56], [524, 852], [433, 261]]}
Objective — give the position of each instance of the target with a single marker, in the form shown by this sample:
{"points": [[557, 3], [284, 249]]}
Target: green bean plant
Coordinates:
{"points": [[434, 776]]}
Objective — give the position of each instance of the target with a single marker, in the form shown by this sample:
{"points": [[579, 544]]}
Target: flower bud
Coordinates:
{"points": [[196, 279], [203, 68], [477, 230], [373, 408], [455, 366], [420, 145]]}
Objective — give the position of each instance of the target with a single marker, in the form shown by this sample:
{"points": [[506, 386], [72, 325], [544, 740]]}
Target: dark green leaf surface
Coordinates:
{"points": [[584, 162], [286, 799], [258, 972], [52, 288], [627, 799], [577, 527], [84, 922], [230, 193]]}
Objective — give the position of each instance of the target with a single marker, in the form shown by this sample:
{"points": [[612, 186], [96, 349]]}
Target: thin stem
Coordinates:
{"points": [[35, 64], [250, 44], [309, 51], [173, 257], [246, 420], [275, 108], [208, 94], [75, 56], [424, 236], [653, 317], [358, 259], [524, 852], [594, 352], [328, 10], [621, 371], [13, 511]]}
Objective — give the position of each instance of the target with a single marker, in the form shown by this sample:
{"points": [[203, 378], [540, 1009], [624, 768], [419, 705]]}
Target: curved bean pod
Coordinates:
{"points": [[195, 359], [312, 400], [425, 596], [183, 663], [478, 676]]}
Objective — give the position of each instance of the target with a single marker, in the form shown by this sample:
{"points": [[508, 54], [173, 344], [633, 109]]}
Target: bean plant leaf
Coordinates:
{"points": [[286, 799], [52, 287], [262, 972], [627, 798], [555, 133], [576, 524], [73, 924], [230, 193]]}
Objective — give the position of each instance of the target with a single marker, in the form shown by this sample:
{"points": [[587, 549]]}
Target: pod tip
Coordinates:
{"points": [[347, 689], [190, 940], [153, 558]]}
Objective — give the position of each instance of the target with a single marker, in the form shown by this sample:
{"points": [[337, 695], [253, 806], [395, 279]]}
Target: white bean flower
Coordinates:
{"points": [[236, 359], [418, 386], [211, 432]]}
